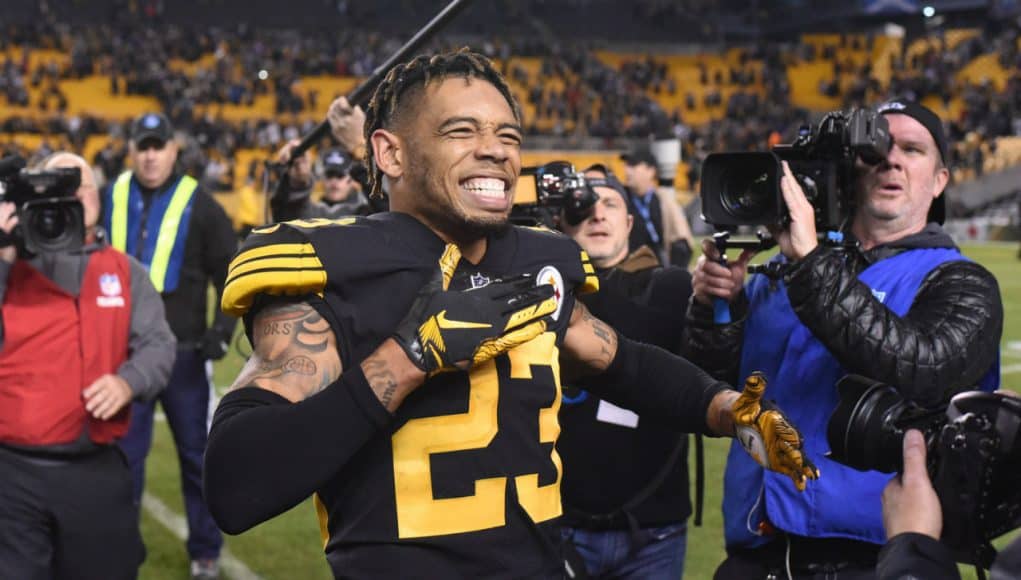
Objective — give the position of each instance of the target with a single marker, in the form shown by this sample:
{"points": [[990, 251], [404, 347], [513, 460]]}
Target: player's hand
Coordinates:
{"points": [[106, 396], [347, 124], [457, 329], [910, 503], [769, 436], [711, 279]]}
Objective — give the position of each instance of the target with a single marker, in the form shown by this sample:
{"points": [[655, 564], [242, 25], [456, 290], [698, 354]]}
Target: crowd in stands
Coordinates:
{"points": [[574, 93]]}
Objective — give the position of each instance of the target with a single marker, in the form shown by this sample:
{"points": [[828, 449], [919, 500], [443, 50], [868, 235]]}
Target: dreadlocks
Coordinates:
{"points": [[385, 105]]}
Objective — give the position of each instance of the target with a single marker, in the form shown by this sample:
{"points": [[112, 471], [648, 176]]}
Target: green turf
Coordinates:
{"points": [[289, 546]]}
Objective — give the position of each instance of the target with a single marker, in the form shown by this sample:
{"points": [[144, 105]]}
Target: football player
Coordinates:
{"points": [[406, 366]]}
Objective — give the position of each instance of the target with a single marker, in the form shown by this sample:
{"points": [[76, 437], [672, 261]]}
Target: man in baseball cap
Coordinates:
{"points": [[660, 223], [342, 194], [153, 127], [932, 123], [338, 186]]}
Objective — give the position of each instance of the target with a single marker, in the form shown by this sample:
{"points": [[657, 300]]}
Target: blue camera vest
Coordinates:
{"points": [[802, 375]]}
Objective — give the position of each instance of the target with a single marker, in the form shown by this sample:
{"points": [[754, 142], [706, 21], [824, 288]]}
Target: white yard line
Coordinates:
{"points": [[1010, 369], [231, 566], [1013, 349]]}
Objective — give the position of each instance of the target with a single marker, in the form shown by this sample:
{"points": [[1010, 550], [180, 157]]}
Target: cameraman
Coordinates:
{"points": [[901, 306], [625, 487], [913, 520], [82, 334]]}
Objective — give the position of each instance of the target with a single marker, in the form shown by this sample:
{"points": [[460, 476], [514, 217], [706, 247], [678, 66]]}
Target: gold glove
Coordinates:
{"points": [[769, 436]]}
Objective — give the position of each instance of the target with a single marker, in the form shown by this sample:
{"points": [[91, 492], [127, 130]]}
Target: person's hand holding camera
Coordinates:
{"points": [[106, 396], [910, 503], [8, 220], [712, 279], [799, 238], [299, 175]]}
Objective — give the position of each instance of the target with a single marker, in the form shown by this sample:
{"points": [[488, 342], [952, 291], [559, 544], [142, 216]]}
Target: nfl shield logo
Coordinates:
{"points": [[110, 288], [478, 281], [110, 285]]}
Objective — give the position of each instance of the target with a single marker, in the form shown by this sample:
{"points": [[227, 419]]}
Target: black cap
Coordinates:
{"points": [[933, 124], [336, 162], [640, 155], [152, 126]]}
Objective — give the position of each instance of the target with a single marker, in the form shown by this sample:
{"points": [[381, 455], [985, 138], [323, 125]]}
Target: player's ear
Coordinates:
{"points": [[388, 153]]}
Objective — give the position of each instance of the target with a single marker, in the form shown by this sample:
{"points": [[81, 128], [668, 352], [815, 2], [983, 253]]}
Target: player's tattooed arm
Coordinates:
{"points": [[391, 375], [590, 341], [295, 352]]}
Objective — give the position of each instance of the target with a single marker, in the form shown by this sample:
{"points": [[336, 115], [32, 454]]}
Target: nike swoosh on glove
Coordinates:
{"points": [[458, 329], [769, 436]]}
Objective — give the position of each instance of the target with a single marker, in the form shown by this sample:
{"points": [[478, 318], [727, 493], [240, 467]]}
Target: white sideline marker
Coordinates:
{"points": [[230, 566]]}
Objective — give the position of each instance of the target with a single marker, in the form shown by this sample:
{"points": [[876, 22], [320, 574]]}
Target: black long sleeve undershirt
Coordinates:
{"points": [[654, 382], [265, 454]]}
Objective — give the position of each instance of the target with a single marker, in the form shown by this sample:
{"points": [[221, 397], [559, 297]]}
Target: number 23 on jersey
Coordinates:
{"points": [[418, 513]]}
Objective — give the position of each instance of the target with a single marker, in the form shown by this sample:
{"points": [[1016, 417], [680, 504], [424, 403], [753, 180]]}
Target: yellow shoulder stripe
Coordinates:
{"points": [[277, 270], [271, 251], [591, 282]]}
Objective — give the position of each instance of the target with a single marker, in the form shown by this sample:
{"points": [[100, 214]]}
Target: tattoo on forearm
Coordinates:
{"points": [[382, 380], [607, 340]]}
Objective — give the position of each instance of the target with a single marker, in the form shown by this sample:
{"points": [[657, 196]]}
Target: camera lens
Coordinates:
{"points": [[863, 432], [748, 196], [741, 189], [49, 222]]}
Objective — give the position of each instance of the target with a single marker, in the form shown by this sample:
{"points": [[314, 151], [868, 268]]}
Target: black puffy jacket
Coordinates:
{"points": [[946, 342]]}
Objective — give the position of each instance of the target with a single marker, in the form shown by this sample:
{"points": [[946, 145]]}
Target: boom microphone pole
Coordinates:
{"points": [[361, 94]]}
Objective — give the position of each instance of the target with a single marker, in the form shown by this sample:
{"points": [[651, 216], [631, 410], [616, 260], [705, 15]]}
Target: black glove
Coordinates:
{"points": [[214, 344], [455, 330]]}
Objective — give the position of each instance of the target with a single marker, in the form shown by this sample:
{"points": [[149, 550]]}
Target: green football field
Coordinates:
{"points": [[289, 547]]}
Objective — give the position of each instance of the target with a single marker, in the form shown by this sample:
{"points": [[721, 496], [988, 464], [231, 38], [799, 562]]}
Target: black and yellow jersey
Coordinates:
{"points": [[462, 484]]}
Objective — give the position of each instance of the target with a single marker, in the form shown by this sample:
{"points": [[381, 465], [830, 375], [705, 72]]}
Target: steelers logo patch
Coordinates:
{"points": [[550, 275]]}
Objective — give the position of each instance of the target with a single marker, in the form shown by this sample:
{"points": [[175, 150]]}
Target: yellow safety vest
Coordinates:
{"points": [[168, 226]]}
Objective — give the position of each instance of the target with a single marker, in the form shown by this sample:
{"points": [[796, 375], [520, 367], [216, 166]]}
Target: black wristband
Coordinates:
{"points": [[265, 455], [654, 382]]}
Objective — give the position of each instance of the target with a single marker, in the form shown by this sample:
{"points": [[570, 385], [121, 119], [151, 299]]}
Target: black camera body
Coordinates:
{"points": [[556, 187], [743, 188], [50, 216], [973, 445]]}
